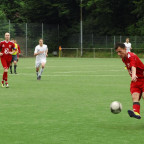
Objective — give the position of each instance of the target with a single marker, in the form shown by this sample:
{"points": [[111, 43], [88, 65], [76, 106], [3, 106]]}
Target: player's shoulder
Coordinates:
{"points": [[131, 54], [2, 41], [44, 45], [11, 42], [37, 47]]}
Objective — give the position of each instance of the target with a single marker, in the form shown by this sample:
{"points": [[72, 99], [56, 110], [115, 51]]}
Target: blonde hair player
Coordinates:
{"points": [[7, 49], [128, 45], [41, 52]]}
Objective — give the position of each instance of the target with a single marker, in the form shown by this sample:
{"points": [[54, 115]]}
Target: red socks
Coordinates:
{"points": [[136, 107]]}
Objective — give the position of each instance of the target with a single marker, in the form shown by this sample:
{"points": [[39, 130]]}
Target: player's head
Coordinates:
{"points": [[7, 36], [127, 40], [40, 41], [121, 50], [12, 40]]}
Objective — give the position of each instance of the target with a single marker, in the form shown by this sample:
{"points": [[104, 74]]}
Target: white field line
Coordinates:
{"points": [[62, 66], [88, 71], [59, 75]]}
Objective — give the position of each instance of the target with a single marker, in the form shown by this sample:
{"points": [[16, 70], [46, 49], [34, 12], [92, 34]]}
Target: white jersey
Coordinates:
{"points": [[42, 56], [128, 46]]}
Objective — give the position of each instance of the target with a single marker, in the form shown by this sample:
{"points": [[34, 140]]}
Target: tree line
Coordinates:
{"points": [[104, 17]]}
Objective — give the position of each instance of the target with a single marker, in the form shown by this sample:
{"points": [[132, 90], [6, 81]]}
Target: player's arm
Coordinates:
{"points": [[134, 76], [13, 49], [47, 52], [129, 71], [37, 53], [19, 51], [131, 48]]}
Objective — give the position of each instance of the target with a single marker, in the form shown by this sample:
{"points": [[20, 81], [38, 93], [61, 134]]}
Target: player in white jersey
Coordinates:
{"points": [[41, 52], [128, 45]]}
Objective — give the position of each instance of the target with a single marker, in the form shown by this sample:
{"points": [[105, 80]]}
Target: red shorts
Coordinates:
{"points": [[137, 87], [5, 63]]}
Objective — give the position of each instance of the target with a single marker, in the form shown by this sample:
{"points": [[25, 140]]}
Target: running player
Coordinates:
{"points": [[136, 70], [41, 52], [15, 56], [7, 49], [128, 45]]}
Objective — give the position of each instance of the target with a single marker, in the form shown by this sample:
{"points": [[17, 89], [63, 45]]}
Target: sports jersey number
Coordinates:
{"points": [[6, 51]]}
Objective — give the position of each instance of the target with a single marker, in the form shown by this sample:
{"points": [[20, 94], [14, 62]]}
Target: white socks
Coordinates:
{"points": [[42, 69]]}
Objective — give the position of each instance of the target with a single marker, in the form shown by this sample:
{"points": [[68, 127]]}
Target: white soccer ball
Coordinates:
{"points": [[116, 107]]}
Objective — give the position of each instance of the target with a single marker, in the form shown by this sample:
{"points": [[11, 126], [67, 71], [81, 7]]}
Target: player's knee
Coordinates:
{"points": [[37, 69], [135, 97], [5, 70], [43, 66]]}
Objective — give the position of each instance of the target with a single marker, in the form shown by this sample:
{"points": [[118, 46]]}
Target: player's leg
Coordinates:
{"points": [[4, 64], [42, 69], [37, 65], [15, 63], [15, 66], [17, 57], [136, 106], [6, 73], [11, 66], [6, 77]]}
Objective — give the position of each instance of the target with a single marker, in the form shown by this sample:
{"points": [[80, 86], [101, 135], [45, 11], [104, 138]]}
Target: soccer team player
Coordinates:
{"points": [[41, 52], [7, 48], [15, 56], [136, 70], [128, 45]]}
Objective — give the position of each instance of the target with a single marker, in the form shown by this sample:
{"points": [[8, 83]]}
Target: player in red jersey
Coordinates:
{"points": [[136, 70], [7, 49]]}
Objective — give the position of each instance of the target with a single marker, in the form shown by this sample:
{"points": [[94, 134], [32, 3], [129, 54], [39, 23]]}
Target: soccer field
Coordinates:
{"points": [[70, 105]]}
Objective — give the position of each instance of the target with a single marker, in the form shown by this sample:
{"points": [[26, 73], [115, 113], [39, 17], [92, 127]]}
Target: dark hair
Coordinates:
{"points": [[121, 45]]}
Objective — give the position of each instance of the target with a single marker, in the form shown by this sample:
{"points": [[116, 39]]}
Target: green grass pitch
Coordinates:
{"points": [[70, 105]]}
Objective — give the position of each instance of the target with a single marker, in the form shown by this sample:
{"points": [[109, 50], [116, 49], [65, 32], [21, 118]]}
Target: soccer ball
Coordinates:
{"points": [[116, 107]]}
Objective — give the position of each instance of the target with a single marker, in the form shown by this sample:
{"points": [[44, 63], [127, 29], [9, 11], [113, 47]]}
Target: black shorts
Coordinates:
{"points": [[14, 58]]}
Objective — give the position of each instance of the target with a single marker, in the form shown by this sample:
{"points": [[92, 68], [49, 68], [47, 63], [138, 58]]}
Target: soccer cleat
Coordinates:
{"points": [[2, 85], [7, 86], [134, 114], [39, 78]]}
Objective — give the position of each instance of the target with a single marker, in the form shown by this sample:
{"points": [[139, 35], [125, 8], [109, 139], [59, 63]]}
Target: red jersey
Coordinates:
{"points": [[5, 48], [19, 51], [133, 60]]}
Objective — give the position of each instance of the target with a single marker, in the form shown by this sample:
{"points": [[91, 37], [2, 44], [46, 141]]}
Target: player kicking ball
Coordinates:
{"points": [[7, 49], [136, 70], [41, 52]]}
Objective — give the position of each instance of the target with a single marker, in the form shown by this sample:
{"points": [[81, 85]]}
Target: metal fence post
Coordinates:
{"points": [[114, 40], [26, 39], [42, 30], [9, 26]]}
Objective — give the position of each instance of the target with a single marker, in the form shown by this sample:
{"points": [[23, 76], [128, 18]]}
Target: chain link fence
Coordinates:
{"points": [[28, 34]]}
